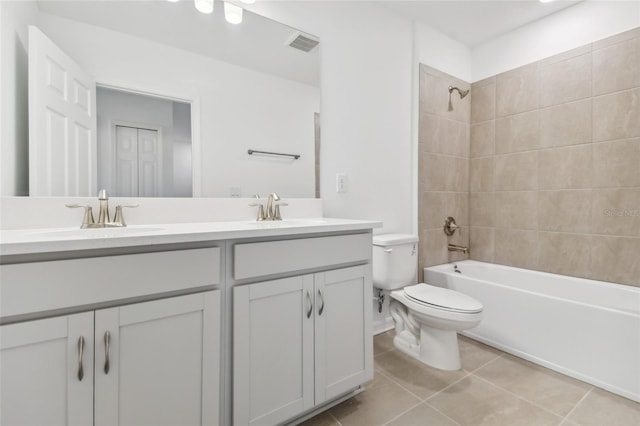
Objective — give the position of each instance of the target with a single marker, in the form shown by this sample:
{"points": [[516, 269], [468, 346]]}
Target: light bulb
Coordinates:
{"points": [[248, 1], [204, 6], [232, 13]]}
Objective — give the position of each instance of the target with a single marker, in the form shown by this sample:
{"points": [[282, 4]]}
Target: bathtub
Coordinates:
{"points": [[583, 328]]}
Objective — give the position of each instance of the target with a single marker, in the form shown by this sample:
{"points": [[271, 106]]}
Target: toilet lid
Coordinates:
{"points": [[443, 298]]}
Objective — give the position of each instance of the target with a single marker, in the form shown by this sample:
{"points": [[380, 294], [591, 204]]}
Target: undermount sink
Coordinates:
{"points": [[95, 232]]}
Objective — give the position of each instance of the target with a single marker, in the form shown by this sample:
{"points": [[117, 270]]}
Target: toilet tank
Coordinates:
{"points": [[395, 260]]}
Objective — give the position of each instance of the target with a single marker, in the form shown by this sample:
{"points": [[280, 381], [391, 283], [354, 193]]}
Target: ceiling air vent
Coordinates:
{"points": [[304, 42]]}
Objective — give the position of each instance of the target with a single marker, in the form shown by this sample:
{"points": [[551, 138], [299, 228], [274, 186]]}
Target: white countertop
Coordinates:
{"points": [[34, 241]]}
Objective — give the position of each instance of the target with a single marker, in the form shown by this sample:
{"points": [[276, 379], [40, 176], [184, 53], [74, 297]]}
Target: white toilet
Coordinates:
{"points": [[427, 318]]}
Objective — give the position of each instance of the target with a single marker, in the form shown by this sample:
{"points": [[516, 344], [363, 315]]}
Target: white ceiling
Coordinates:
{"points": [[260, 43], [257, 43], [473, 22]]}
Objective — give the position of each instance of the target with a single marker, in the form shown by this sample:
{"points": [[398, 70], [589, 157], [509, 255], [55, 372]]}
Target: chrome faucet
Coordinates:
{"points": [[104, 220], [103, 214], [454, 247], [270, 210]]}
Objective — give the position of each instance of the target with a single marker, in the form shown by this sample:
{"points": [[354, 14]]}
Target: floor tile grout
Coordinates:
{"points": [[519, 396], [566, 418], [439, 411], [334, 418], [467, 374], [402, 413], [487, 363], [394, 381]]}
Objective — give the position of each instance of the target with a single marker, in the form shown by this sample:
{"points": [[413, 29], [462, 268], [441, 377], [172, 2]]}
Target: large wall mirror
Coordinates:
{"points": [[179, 100]]}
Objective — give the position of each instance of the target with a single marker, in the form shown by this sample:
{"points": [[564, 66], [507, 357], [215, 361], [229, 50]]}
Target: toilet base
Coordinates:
{"points": [[417, 337], [436, 348]]}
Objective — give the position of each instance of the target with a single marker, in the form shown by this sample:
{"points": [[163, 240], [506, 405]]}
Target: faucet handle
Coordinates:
{"points": [[276, 213], [118, 219], [87, 220], [261, 216]]}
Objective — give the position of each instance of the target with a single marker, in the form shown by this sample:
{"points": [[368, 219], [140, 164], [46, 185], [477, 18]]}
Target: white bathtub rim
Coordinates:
{"points": [[599, 283], [444, 268], [555, 367]]}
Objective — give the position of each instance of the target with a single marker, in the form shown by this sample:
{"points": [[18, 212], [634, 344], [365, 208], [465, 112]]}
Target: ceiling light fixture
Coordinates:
{"points": [[204, 6], [232, 13], [545, 1]]}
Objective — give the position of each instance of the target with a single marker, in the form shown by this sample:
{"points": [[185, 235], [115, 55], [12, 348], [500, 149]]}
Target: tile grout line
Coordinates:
{"points": [[566, 418], [520, 397], [334, 418], [402, 413], [468, 374], [390, 377], [438, 410]]}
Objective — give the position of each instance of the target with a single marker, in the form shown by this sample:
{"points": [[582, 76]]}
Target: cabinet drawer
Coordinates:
{"points": [[28, 288], [276, 257]]}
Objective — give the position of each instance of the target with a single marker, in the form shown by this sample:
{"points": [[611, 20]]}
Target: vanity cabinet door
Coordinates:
{"points": [[272, 350], [47, 371], [343, 339], [157, 363]]}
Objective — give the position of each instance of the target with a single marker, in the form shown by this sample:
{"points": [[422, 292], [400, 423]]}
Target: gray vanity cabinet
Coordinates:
{"points": [[151, 363], [304, 340], [142, 349]]}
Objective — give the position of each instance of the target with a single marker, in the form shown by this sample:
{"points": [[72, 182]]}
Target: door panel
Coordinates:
{"points": [[61, 101], [149, 163], [126, 161], [157, 360], [40, 364], [344, 357], [273, 350]]}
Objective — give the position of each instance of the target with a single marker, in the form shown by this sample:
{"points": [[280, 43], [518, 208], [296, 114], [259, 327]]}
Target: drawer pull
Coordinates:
{"points": [[310, 303], [107, 340], [322, 302], [80, 353]]}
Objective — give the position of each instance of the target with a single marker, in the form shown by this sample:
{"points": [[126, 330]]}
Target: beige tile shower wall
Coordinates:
{"points": [[443, 166], [555, 164]]}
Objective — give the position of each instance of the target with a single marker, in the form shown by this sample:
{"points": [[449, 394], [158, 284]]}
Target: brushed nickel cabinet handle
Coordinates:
{"points": [[322, 301], [107, 340], [80, 353], [310, 304]]}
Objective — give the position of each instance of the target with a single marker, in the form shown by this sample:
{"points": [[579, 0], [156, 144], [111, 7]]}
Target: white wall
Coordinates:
{"points": [[569, 28], [441, 52], [366, 84]]}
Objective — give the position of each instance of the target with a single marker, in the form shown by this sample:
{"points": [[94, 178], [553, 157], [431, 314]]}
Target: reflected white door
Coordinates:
{"points": [[138, 162], [62, 122]]}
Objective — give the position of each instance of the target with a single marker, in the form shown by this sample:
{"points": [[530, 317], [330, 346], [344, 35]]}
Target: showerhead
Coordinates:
{"points": [[462, 94]]}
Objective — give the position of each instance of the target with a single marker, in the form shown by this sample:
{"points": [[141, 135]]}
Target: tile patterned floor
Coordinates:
{"points": [[492, 389]]}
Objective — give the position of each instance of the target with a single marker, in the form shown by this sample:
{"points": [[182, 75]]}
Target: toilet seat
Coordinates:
{"points": [[442, 298]]}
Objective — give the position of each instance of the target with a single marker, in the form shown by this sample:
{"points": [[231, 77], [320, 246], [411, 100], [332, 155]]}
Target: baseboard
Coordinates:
{"points": [[380, 327]]}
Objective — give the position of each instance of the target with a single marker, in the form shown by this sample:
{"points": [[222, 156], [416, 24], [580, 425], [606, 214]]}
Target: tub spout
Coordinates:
{"points": [[454, 247]]}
